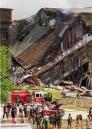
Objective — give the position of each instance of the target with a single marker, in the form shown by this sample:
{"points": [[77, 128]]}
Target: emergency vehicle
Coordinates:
{"points": [[27, 96]]}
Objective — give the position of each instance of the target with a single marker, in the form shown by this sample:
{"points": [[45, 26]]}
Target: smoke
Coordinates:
{"points": [[25, 8]]}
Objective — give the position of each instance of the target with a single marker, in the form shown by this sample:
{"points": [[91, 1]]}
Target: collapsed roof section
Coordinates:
{"points": [[28, 40], [36, 39], [39, 39], [34, 53]]}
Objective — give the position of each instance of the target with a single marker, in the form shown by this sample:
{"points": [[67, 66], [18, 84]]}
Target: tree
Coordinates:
{"points": [[6, 84]]}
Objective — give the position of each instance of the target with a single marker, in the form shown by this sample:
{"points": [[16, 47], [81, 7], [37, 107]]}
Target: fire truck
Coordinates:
{"points": [[36, 99], [27, 96]]}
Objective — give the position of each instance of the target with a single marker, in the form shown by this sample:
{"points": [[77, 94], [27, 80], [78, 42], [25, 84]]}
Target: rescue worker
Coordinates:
{"points": [[8, 108], [25, 110], [54, 120], [80, 121], [34, 119], [21, 115], [90, 113], [31, 114], [38, 120], [20, 105], [28, 111], [58, 120], [69, 122], [13, 114], [51, 120], [77, 121], [45, 121], [87, 122], [5, 111]]}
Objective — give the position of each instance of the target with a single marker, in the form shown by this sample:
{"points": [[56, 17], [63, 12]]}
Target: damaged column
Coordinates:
{"points": [[90, 64]]}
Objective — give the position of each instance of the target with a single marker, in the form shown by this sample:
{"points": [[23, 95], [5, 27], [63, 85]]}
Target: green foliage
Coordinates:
{"points": [[4, 95], [6, 84]]}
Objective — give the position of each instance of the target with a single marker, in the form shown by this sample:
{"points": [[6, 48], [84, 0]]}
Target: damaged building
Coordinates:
{"points": [[40, 35], [58, 46], [5, 22]]}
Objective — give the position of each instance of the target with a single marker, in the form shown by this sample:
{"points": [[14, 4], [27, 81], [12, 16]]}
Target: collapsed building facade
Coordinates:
{"points": [[57, 46]]}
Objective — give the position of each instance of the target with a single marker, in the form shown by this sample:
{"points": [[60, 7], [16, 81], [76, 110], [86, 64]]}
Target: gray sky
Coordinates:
{"points": [[25, 8]]}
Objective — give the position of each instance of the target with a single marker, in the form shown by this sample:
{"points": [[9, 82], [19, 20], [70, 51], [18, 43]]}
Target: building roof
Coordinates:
{"points": [[6, 9], [36, 40], [32, 37], [63, 30], [52, 9], [39, 39], [33, 54], [87, 18]]}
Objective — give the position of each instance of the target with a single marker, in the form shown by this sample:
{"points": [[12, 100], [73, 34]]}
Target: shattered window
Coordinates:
{"points": [[76, 61], [4, 35]]}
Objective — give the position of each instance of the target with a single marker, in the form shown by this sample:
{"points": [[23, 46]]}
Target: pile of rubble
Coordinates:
{"points": [[68, 86]]}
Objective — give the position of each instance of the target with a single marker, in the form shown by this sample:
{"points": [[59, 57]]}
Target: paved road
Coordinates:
{"points": [[17, 126]]}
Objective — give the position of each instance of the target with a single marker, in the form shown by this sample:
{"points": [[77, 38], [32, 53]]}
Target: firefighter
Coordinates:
{"points": [[8, 108], [55, 120], [34, 119], [21, 115], [38, 120], [5, 111], [77, 121], [90, 114], [58, 120], [46, 121], [13, 114], [69, 121], [51, 120], [81, 122], [28, 111], [87, 121], [25, 110], [31, 113]]}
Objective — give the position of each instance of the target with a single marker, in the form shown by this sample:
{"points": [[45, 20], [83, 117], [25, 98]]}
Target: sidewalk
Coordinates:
{"points": [[7, 123]]}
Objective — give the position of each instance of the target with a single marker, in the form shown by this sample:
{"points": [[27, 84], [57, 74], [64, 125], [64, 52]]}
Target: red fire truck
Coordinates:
{"points": [[27, 96]]}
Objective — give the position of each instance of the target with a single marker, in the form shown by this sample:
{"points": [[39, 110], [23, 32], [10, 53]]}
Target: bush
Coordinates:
{"points": [[6, 83]]}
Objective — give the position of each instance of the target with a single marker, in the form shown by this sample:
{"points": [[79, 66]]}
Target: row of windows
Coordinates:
{"points": [[74, 63], [67, 67], [72, 36], [4, 35]]}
